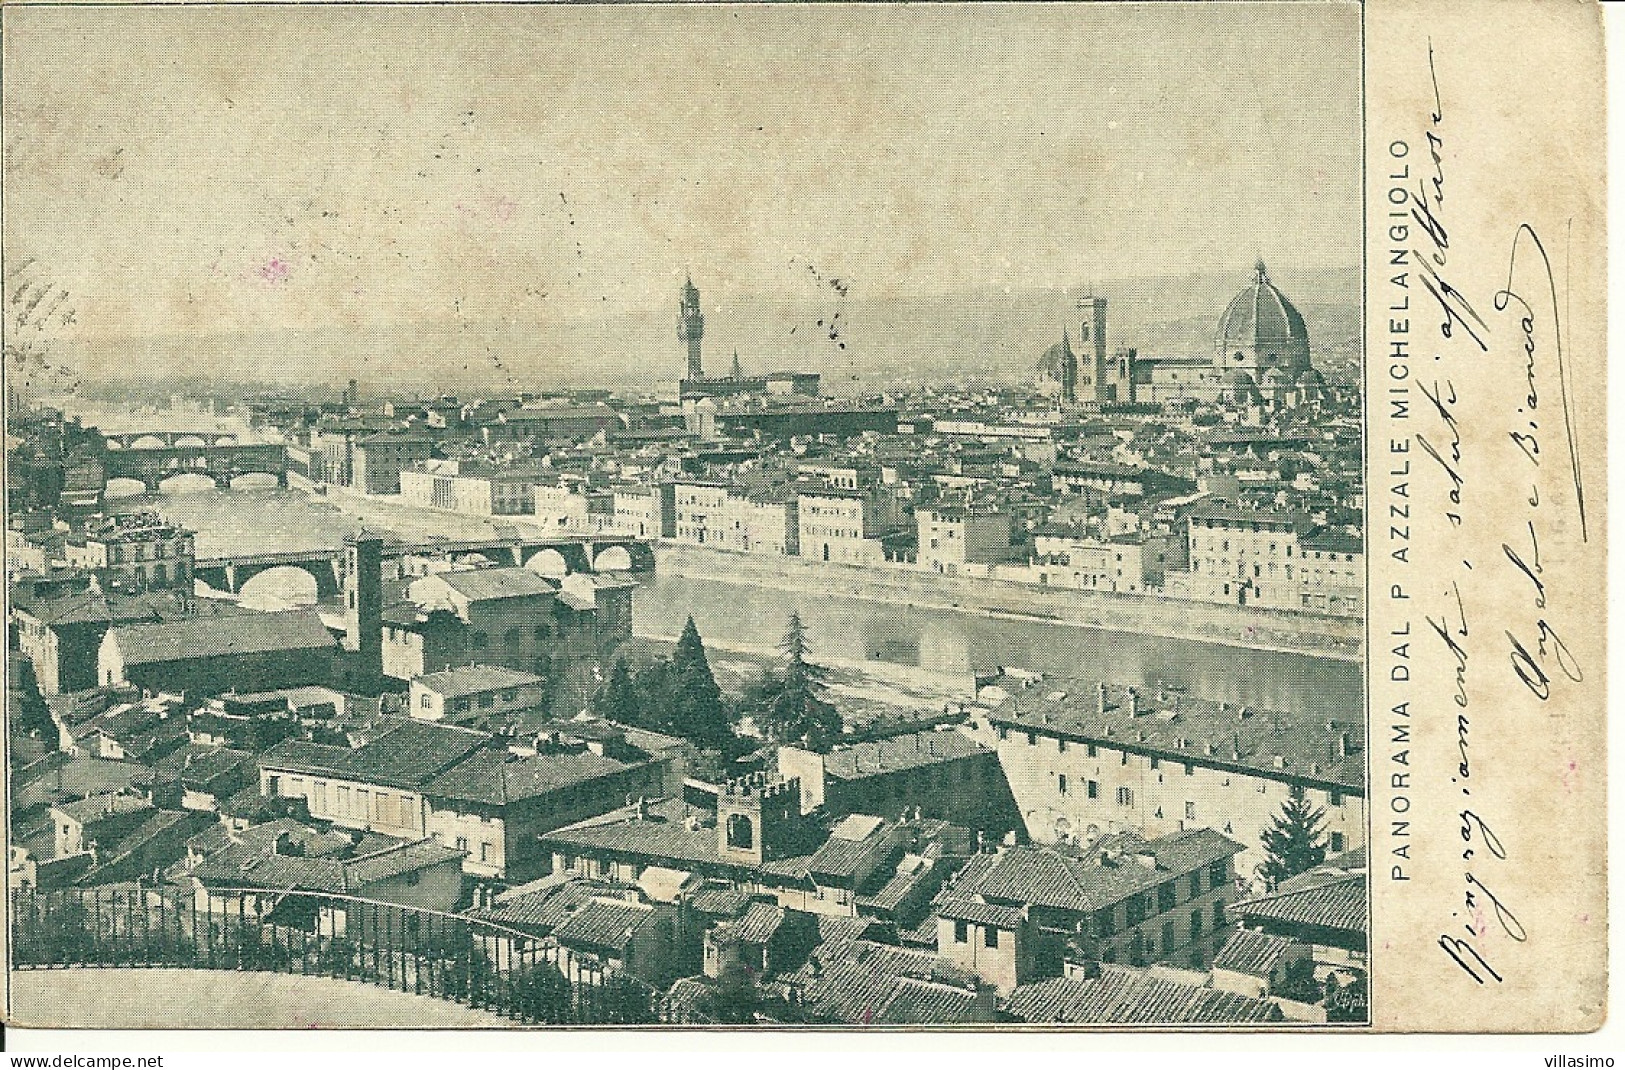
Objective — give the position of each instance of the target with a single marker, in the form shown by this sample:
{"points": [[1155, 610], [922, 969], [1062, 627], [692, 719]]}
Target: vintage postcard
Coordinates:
{"points": [[994, 516]]}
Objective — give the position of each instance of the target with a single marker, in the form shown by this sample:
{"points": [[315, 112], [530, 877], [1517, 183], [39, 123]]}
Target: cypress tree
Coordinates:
{"points": [[698, 711], [1293, 843]]}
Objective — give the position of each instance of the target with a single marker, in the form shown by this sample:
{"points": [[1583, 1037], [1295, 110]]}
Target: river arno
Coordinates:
{"points": [[849, 629]]}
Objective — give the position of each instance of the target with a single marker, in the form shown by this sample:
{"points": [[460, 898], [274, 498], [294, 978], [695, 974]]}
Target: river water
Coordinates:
{"points": [[850, 629]]}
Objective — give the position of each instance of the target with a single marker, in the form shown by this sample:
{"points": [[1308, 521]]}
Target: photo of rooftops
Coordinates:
{"points": [[853, 521]]}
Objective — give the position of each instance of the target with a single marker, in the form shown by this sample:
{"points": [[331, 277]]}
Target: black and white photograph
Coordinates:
{"points": [[701, 517]]}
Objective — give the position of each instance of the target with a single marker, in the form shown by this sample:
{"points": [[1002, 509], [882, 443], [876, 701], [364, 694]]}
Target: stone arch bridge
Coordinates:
{"points": [[154, 456], [610, 554]]}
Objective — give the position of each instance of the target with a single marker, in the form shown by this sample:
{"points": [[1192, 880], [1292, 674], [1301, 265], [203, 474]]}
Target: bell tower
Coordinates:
{"points": [[1092, 333], [691, 327]]}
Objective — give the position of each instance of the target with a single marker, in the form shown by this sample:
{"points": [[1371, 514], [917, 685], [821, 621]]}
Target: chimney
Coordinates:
{"points": [[643, 808], [1343, 745], [1100, 693], [1134, 702]]}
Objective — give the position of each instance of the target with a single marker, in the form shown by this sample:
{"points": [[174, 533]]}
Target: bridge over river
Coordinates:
{"points": [[154, 456], [550, 555]]}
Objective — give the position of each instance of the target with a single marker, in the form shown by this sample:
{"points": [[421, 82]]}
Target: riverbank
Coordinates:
{"points": [[1248, 627]]}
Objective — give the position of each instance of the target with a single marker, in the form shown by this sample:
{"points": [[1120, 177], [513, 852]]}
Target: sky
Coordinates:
{"points": [[196, 172]]}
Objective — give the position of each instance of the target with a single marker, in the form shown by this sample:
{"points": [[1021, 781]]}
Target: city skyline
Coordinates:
{"points": [[425, 209]]}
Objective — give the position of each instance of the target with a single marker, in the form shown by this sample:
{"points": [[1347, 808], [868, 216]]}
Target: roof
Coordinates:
{"points": [[719, 901], [1172, 725], [1327, 901], [405, 755], [220, 636], [1253, 953], [473, 679], [542, 911], [1122, 997], [898, 753], [915, 1002], [1116, 868], [854, 980], [1260, 315], [483, 584], [256, 864], [99, 807], [759, 922], [607, 924], [499, 776], [843, 857], [61, 777], [663, 834]]}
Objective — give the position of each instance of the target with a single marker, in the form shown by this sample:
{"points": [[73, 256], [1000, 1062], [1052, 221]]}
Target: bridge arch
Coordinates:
{"points": [[147, 442], [188, 440], [185, 483], [255, 481], [613, 559], [281, 587], [549, 563], [124, 487]]}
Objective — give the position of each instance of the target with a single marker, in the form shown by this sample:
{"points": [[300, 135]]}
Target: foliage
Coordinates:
{"points": [[788, 704], [678, 695], [1347, 1003], [1293, 843], [1300, 984]]}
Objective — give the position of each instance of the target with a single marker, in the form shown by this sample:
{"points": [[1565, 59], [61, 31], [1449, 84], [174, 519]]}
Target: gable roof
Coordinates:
{"points": [[1253, 953], [1330, 901], [1064, 880], [220, 636], [897, 753], [1122, 997], [495, 777], [473, 679], [482, 584], [406, 755]]}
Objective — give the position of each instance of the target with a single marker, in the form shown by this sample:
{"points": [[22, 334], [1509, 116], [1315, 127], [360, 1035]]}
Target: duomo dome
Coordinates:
{"points": [[1262, 330]]}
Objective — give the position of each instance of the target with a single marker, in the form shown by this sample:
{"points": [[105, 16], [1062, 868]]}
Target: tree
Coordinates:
{"points": [[1293, 843], [698, 712], [789, 705], [617, 697]]}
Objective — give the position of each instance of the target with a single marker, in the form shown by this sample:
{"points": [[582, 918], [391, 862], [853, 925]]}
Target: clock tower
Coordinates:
{"points": [[691, 327]]}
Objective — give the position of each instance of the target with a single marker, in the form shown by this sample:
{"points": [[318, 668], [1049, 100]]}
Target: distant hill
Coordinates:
{"points": [[856, 343]]}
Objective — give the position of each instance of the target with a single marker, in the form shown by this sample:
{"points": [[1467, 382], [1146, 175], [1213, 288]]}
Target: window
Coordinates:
{"points": [[990, 936], [1060, 745], [1123, 758], [1168, 940], [1335, 798], [485, 852], [1218, 914], [426, 701], [1060, 784], [961, 933], [1125, 796], [1190, 811], [1337, 843], [1190, 770], [1196, 924], [1094, 789], [363, 803], [1093, 752], [1196, 884], [1032, 740], [461, 705], [462, 843], [1155, 765], [1103, 922], [1217, 873]]}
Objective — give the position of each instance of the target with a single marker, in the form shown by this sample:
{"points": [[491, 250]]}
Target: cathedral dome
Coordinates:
{"points": [[1261, 329]]}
